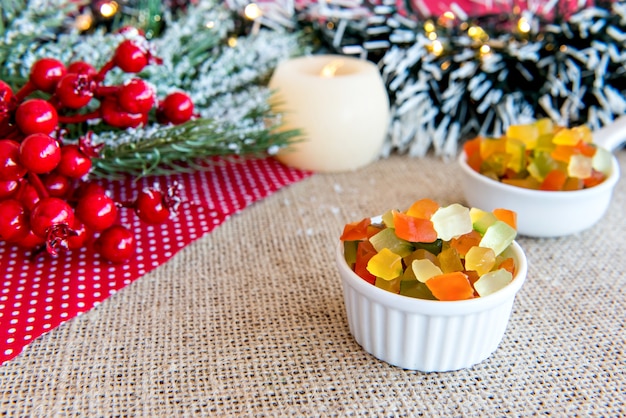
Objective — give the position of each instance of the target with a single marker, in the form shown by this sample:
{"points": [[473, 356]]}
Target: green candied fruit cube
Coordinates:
{"points": [[387, 238], [481, 220], [349, 252], [388, 285], [498, 237], [387, 219], [432, 247], [493, 281], [416, 289]]}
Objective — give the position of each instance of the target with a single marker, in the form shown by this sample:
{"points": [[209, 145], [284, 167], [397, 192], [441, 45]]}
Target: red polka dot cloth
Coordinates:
{"points": [[40, 294]]}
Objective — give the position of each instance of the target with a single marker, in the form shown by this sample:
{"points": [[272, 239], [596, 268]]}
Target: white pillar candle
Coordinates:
{"points": [[340, 105]]}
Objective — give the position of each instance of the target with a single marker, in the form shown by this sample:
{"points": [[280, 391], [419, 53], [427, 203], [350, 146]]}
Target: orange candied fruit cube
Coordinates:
{"points": [[451, 286], [509, 265], [554, 181], [414, 229], [506, 215], [356, 231], [472, 146], [423, 208], [463, 243]]}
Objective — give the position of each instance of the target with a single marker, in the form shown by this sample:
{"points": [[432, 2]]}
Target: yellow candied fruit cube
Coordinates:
{"points": [[385, 264], [527, 133], [517, 152], [580, 166], [565, 137], [480, 259], [490, 146], [450, 260], [425, 269], [545, 126]]}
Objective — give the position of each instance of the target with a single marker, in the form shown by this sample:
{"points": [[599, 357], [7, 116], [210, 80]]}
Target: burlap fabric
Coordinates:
{"points": [[250, 321]]}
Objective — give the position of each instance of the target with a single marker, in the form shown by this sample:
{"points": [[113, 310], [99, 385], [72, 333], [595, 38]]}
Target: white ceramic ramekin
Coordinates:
{"points": [[540, 213], [547, 213], [427, 335]]}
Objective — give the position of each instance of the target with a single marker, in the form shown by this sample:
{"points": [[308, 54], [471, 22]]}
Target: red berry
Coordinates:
{"points": [[114, 115], [8, 188], [74, 163], [13, 220], [151, 207], [31, 241], [10, 166], [88, 188], [116, 244], [27, 195], [45, 74], [97, 211], [176, 108], [130, 57], [40, 153], [36, 116], [79, 237], [6, 96], [74, 90], [136, 96], [82, 67], [48, 212], [57, 184]]}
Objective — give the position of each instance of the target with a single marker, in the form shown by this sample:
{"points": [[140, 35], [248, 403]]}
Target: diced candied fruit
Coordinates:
{"points": [[356, 231], [450, 260], [452, 221], [544, 126], [425, 269], [437, 270], [387, 238], [508, 264], [451, 286], [423, 208], [481, 220], [392, 286], [553, 181], [420, 254], [385, 264], [466, 241], [349, 252], [489, 146], [480, 259], [517, 151], [506, 215], [365, 251], [596, 178], [414, 229], [492, 282], [580, 166], [533, 151], [527, 133], [498, 237]]}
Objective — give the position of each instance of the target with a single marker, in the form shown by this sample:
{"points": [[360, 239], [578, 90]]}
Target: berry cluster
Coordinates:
{"points": [[46, 198]]}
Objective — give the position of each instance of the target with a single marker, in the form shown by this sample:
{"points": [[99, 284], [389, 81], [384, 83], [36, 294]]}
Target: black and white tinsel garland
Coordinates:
{"points": [[456, 76]]}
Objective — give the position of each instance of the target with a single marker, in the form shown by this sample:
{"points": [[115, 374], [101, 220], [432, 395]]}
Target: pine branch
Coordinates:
{"points": [[188, 147]]}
